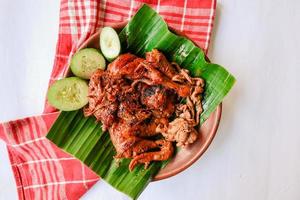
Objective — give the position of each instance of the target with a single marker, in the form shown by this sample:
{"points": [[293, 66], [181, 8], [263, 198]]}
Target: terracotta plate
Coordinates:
{"points": [[186, 157]]}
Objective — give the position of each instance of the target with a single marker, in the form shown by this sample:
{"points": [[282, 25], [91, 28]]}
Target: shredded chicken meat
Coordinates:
{"points": [[139, 101]]}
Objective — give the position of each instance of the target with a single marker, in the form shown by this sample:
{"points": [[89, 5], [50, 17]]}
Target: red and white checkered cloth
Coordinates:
{"points": [[43, 171]]}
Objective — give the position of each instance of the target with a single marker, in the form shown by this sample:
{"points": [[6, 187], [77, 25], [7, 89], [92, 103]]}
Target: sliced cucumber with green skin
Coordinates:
{"points": [[86, 61], [110, 43], [68, 94]]}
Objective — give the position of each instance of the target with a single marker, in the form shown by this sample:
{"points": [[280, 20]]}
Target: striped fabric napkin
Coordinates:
{"points": [[43, 171]]}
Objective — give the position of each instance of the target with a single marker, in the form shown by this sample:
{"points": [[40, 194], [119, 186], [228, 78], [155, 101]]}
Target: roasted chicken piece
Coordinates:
{"points": [[165, 152], [154, 96], [160, 100], [161, 63], [128, 145], [123, 137], [151, 73], [140, 70], [131, 110], [149, 129], [103, 104], [125, 66], [135, 99]]}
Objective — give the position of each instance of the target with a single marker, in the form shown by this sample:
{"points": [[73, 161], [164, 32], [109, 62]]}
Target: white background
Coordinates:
{"points": [[255, 154]]}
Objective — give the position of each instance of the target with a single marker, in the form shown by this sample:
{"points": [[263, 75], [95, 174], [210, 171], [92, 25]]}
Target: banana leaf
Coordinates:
{"points": [[82, 137]]}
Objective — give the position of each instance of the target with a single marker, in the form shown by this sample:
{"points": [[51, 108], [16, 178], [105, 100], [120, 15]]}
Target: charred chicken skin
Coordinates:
{"points": [[136, 98]]}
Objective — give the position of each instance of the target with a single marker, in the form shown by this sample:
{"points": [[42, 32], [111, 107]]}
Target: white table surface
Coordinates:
{"points": [[255, 154]]}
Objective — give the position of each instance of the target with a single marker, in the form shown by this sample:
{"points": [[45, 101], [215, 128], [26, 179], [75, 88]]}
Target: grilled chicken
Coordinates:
{"points": [[136, 98]]}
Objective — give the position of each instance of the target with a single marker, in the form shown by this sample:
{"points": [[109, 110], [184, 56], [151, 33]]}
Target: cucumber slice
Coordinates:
{"points": [[110, 43], [86, 61], [68, 94]]}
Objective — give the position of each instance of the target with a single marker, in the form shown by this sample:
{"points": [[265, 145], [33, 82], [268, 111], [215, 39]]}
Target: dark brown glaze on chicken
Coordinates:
{"points": [[161, 63], [136, 98]]}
